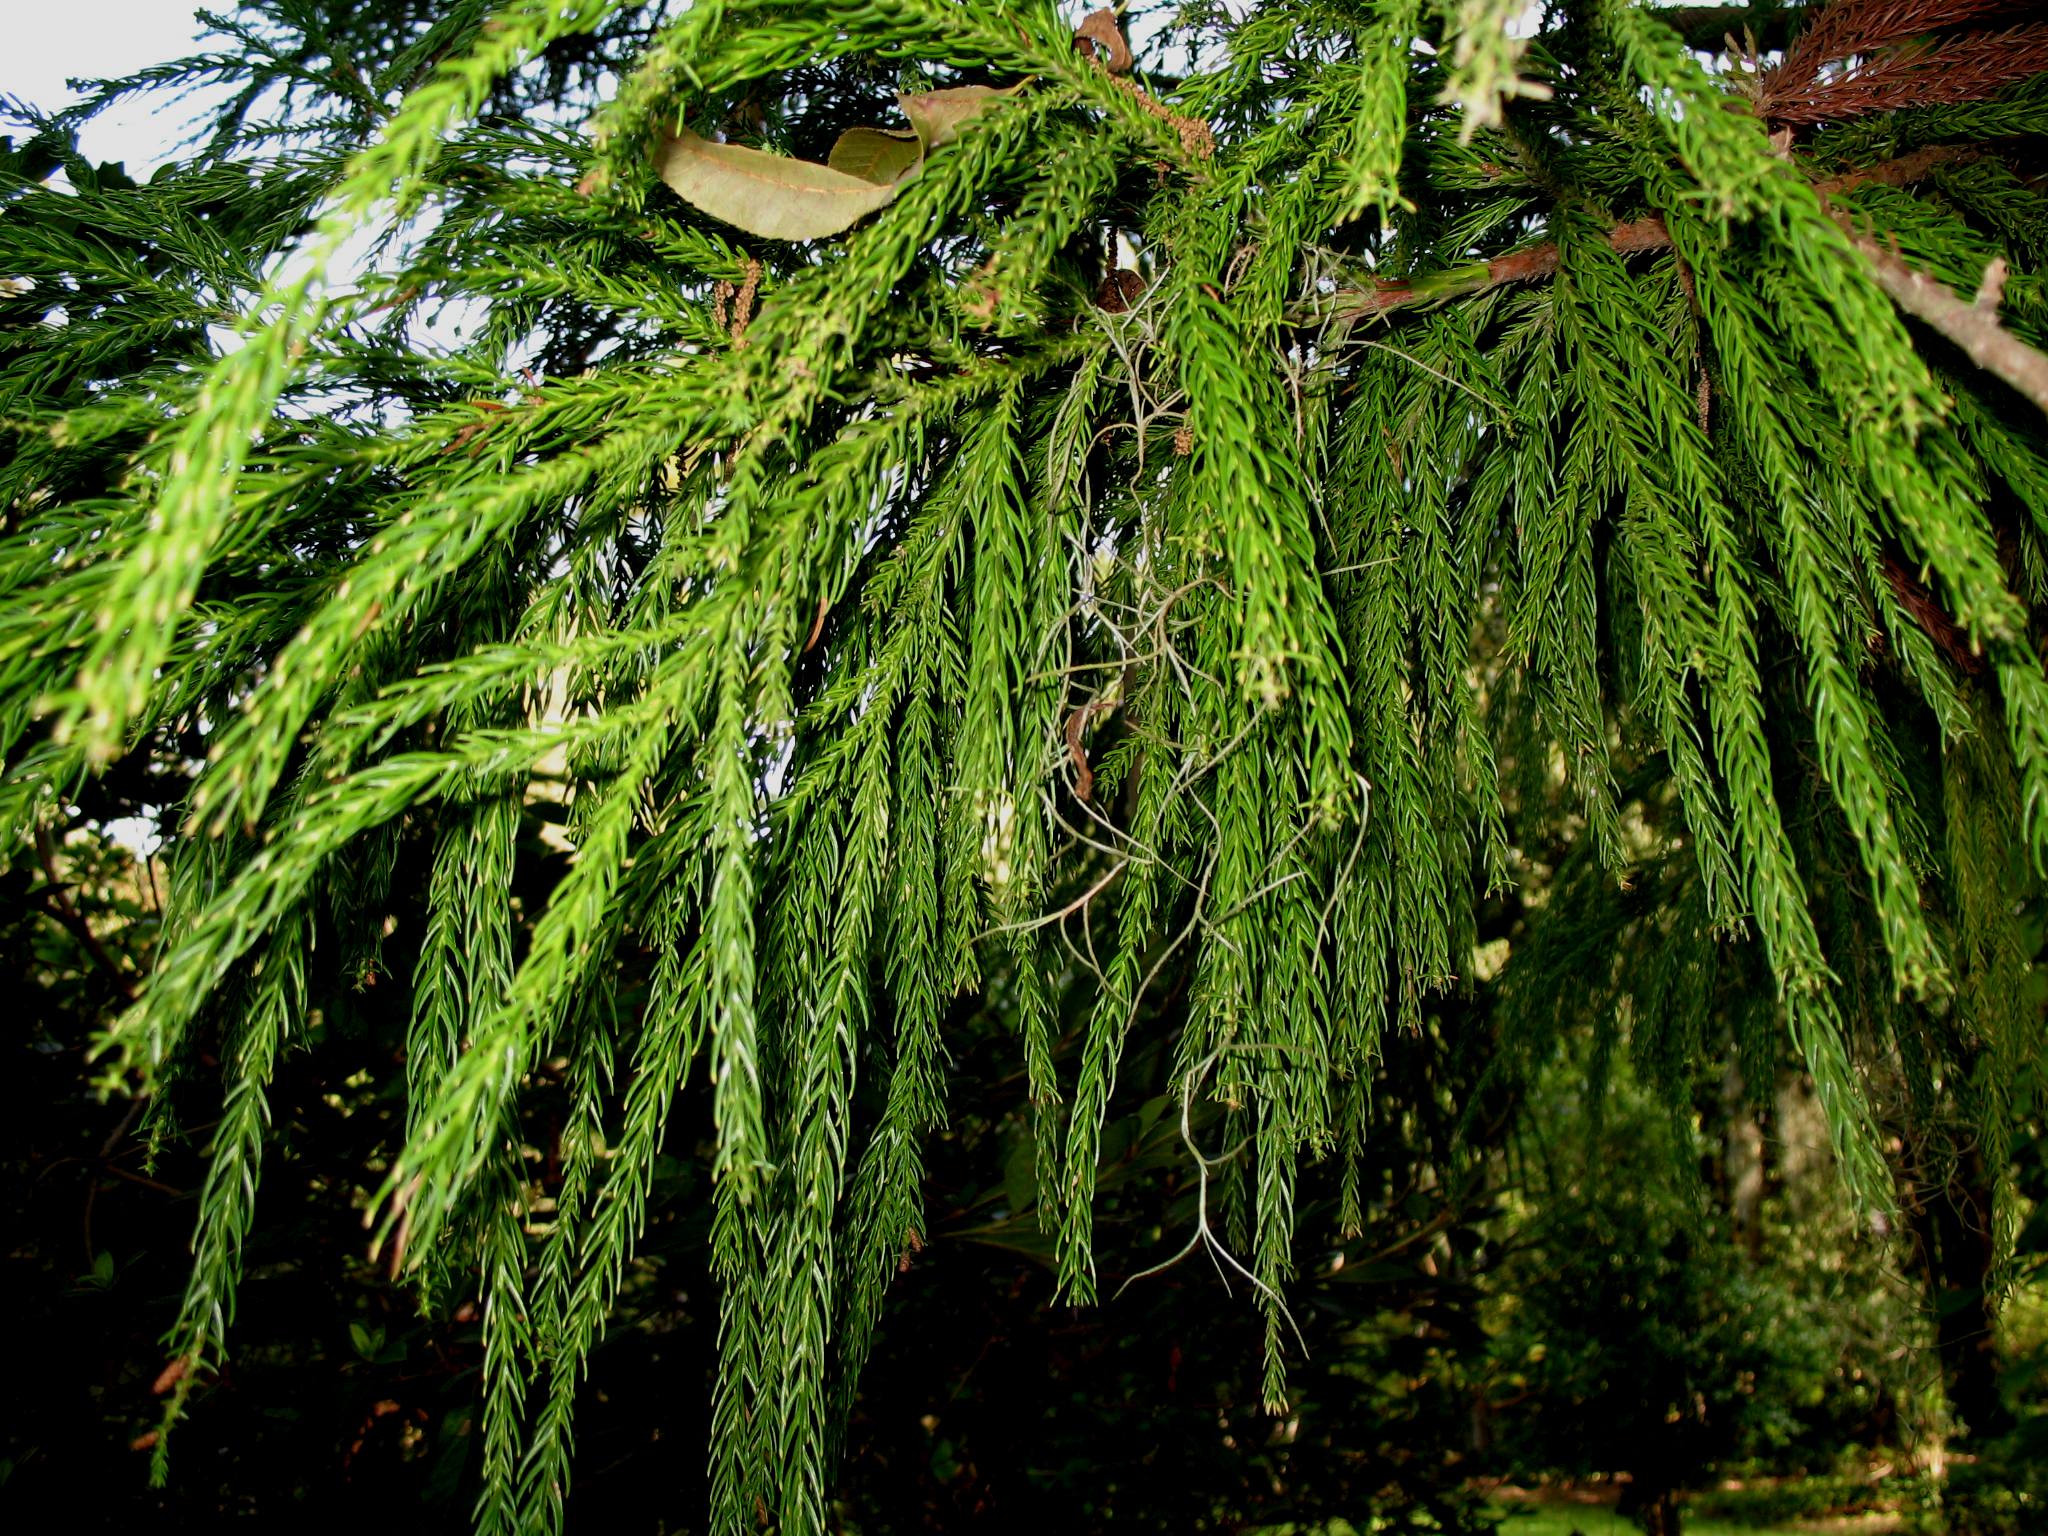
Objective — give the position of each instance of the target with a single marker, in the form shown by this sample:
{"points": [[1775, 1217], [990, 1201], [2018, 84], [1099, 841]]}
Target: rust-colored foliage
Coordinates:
{"points": [[1866, 56]]}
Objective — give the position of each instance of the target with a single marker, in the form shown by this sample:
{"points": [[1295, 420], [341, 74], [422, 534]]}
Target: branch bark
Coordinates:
{"points": [[57, 902], [1537, 261], [1972, 325]]}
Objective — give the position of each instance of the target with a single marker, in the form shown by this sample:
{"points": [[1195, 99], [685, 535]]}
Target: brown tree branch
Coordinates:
{"points": [[1901, 172], [57, 902], [1949, 637], [1527, 265], [1971, 325]]}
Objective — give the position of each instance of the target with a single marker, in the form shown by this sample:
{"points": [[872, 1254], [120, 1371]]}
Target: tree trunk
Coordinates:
{"points": [[1653, 1507], [1951, 1220], [1744, 1165]]}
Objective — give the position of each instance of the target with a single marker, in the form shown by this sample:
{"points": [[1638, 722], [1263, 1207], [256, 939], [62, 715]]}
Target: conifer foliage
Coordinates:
{"points": [[1160, 525]]}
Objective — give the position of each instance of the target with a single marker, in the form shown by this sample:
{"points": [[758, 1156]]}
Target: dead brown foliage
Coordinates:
{"points": [[1865, 56]]}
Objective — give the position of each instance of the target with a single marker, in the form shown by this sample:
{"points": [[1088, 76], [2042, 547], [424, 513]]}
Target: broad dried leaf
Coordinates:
{"points": [[938, 116], [771, 195], [788, 199], [876, 154]]}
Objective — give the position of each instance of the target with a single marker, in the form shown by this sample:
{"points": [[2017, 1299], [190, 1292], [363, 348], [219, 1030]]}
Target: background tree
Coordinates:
{"points": [[1158, 553]]}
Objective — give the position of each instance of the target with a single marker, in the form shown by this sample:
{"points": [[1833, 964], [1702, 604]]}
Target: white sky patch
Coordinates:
{"points": [[44, 42]]}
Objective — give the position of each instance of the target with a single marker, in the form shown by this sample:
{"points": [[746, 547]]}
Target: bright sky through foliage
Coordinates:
{"points": [[41, 46]]}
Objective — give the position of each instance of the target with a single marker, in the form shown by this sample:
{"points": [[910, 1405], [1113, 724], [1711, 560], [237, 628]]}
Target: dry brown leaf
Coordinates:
{"points": [[775, 196], [1098, 37], [876, 154], [788, 199], [938, 116]]}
